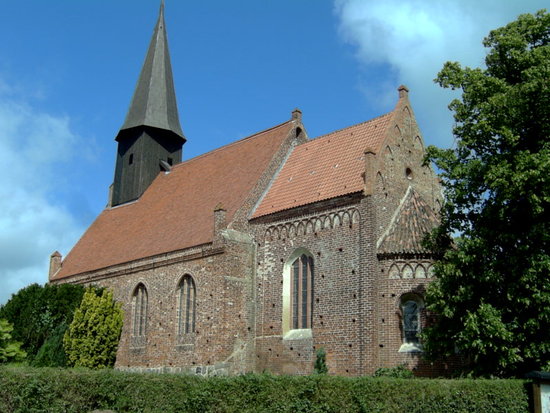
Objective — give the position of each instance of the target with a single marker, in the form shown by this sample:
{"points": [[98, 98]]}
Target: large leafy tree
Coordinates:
{"points": [[92, 338], [492, 295]]}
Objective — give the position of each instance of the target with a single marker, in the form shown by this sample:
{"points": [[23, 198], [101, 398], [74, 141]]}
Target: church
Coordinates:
{"points": [[254, 256]]}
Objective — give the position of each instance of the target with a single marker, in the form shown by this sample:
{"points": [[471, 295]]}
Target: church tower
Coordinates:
{"points": [[151, 138]]}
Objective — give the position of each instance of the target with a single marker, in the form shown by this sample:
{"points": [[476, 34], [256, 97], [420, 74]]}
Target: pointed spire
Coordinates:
{"points": [[154, 100]]}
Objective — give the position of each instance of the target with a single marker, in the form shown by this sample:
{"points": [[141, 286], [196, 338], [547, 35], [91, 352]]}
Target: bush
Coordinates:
{"points": [[398, 372], [320, 366], [81, 390], [10, 350], [92, 338]]}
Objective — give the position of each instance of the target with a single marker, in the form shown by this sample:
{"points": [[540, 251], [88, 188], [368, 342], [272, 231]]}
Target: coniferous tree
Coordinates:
{"points": [[36, 311], [92, 338], [51, 353]]}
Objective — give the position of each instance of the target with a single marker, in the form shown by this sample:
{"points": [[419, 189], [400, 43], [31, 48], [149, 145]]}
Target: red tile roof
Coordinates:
{"points": [[176, 211], [325, 167], [413, 220]]}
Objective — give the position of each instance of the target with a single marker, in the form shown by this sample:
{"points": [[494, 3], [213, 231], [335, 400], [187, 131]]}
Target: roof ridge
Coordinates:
{"points": [[202, 155], [348, 127]]}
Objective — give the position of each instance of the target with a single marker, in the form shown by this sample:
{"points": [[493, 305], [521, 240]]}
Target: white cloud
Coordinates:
{"points": [[32, 225], [414, 38]]}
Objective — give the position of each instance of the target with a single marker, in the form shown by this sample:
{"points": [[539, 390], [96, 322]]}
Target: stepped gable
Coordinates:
{"points": [[325, 167], [411, 222], [177, 210]]}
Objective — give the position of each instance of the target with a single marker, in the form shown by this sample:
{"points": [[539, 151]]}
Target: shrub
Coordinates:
{"points": [[397, 372], [82, 390], [92, 338], [320, 366], [9, 349]]}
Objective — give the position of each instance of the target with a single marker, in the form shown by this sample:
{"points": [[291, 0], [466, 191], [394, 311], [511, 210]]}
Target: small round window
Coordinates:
{"points": [[409, 173]]}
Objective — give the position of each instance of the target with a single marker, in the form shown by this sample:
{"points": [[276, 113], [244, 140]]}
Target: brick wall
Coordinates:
{"points": [[239, 279], [342, 305], [401, 165], [223, 333]]}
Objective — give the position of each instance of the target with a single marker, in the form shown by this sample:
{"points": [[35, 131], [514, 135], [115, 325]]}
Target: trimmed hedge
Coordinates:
{"points": [[77, 390]]}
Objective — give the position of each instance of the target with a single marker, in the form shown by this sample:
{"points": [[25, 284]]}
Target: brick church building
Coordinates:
{"points": [[253, 256]]}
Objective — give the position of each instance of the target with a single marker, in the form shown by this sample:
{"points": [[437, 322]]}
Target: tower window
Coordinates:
{"points": [[131, 159]]}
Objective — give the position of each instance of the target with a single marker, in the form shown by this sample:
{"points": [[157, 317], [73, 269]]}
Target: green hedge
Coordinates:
{"points": [[74, 390]]}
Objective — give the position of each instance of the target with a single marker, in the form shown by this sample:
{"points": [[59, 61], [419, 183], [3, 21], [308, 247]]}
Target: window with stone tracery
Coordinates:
{"points": [[411, 307]]}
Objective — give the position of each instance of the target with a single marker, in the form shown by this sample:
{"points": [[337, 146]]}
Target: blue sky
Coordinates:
{"points": [[68, 70]]}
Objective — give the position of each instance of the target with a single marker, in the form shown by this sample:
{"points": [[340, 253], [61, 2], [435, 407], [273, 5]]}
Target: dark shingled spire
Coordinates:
{"points": [[151, 140], [154, 100]]}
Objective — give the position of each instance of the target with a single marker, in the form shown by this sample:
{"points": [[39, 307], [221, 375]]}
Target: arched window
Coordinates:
{"points": [[186, 305], [411, 307], [411, 321], [302, 291], [139, 305], [298, 282]]}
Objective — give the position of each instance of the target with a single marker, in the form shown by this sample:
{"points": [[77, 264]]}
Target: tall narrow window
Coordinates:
{"points": [[186, 305], [139, 304], [411, 322], [302, 292], [411, 306]]}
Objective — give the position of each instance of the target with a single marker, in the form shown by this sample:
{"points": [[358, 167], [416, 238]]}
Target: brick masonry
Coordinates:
{"points": [[239, 277]]}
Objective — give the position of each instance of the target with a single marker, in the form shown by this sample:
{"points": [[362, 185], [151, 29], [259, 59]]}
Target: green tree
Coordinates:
{"points": [[51, 353], [23, 310], [10, 350], [492, 293], [36, 311], [92, 338]]}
